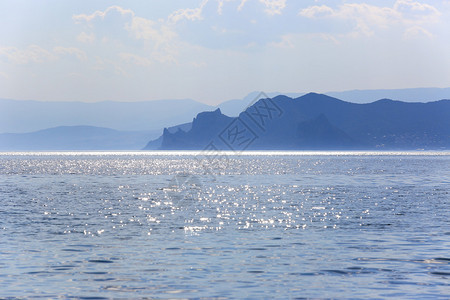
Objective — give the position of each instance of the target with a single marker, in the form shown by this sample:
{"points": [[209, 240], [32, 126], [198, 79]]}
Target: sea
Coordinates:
{"points": [[252, 225]]}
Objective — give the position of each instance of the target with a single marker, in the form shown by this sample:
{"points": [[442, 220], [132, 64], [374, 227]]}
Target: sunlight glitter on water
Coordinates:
{"points": [[226, 153], [286, 226]]}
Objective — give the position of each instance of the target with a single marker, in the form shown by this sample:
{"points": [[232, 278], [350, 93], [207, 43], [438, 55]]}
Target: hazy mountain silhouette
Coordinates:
{"points": [[316, 121], [27, 116], [18, 116], [134, 120], [234, 107], [156, 144], [75, 138], [406, 95]]}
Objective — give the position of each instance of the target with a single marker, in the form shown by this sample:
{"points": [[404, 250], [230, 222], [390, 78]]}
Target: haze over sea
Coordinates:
{"points": [[259, 225]]}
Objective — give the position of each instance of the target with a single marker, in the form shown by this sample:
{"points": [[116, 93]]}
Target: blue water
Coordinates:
{"points": [[183, 225]]}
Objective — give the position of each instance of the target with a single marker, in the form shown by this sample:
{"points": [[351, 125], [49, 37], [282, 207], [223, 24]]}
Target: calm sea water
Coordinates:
{"points": [[183, 225]]}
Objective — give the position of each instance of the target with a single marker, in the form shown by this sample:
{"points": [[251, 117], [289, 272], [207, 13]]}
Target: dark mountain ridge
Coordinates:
{"points": [[204, 127], [316, 121]]}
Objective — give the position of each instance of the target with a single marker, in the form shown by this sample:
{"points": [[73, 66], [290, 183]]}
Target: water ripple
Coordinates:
{"points": [[83, 225]]}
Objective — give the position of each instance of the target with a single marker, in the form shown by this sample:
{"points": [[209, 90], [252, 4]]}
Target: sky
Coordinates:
{"points": [[216, 50]]}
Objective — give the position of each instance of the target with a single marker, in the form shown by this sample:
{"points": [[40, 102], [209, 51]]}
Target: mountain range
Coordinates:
{"points": [[27, 116], [21, 116], [108, 125], [75, 138], [316, 122]]}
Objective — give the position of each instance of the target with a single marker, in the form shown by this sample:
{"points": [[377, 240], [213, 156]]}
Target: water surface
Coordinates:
{"points": [[260, 225]]}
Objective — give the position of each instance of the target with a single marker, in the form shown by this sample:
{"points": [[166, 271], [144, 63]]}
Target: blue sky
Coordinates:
{"points": [[215, 50]]}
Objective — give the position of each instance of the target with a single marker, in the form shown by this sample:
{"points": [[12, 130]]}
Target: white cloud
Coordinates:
{"points": [[316, 11], [222, 2], [273, 7], [325, 37], [414, 7], [367, 18], [108, 66], [101, 14], [201, 52], [32, 54], [416, 12], [86, 37], [220, 6], [417, 32], [79, 54], [37, 54], [146, 29], [285, 43], [297, 41], [158, 36], [192, 14], [131, 58], [364, 15], [241, 5]]}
